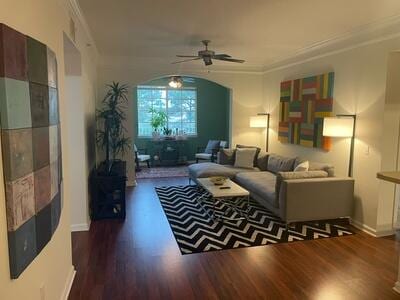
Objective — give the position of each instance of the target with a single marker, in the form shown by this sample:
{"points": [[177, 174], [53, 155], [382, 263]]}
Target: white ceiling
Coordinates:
{"points": [[259, 31]]}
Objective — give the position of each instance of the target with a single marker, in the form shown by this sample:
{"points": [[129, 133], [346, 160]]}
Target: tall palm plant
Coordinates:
{"points": [[112, 138]]}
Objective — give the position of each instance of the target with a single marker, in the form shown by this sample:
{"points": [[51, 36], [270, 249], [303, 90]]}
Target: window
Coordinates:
{"points": [[179, 104]]}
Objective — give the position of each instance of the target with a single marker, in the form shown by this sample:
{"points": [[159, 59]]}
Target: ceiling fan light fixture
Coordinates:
{"points": [[176, 82], [207, 60]]}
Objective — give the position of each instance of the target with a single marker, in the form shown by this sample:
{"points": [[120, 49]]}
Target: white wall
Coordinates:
{"points": [[360, 84], [246, 97], [79, 93], [45, 20]]}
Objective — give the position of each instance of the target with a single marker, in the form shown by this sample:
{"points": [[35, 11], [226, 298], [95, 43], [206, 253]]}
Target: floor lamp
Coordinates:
{"points": [[261, 121], [342, 126]]}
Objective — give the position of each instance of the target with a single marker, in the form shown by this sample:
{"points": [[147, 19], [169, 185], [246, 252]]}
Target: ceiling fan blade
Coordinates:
{"points": [[217, 56], [188, 56], [231, 59], [182, 61]]}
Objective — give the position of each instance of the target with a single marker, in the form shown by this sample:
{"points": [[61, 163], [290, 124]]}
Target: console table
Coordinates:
{"points": [[108, 191], [394, 177], [169, 152]]}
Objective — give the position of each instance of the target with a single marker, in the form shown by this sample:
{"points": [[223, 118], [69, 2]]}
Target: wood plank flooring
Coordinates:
{"points": [[139, 259]]}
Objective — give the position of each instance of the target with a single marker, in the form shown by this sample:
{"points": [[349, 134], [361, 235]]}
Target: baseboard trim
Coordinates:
{"points": [[68, 283], [363, 227], [371, 231], [80, 227], [397, 287]]}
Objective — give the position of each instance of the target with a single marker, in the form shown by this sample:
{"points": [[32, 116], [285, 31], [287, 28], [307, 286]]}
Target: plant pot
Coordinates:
{"points": [[155, 135]]}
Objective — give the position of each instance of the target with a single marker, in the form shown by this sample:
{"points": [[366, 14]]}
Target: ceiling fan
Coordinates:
{"points": [[176, 81], [207, 56]]}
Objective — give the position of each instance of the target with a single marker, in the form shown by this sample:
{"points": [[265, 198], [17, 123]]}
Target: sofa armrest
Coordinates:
{"points": [[316, 198]]}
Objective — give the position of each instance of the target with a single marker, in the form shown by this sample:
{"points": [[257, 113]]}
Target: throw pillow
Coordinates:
{"points": [[277, 163], [282, 176], [245, 158], [212, 145], [252, 147], [302, 167]]}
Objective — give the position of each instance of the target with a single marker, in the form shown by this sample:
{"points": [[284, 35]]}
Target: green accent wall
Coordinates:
{"points": [[213, 110]]}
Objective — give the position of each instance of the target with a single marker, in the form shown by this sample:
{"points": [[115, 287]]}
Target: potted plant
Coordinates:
{"points": [[112, 137], [158, 120]]}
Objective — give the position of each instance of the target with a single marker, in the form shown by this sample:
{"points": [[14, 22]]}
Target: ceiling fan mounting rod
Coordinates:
{"points": [[205, 43]]}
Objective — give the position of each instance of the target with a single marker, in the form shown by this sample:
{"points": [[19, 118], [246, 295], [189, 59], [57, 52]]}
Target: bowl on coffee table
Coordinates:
{"points": [[218, 180]]}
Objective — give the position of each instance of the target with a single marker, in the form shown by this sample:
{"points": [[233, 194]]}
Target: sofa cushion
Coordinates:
{"points": [[316, 166], [277, 163], [328, 168], [204, 170], [244, 158], [281, 176], [260, 183], [212, 145], [252, 147], [262, 162], [226, 156]]}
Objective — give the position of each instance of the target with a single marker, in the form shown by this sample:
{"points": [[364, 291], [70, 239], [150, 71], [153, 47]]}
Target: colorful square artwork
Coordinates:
{"points": [[22, 245], [43, 227], [37, 62], [20, 201], [39, 95], [17, 152], [41, 147], [13, 53], [42, 181], [15, 108], [31, 143], [304, 103]]}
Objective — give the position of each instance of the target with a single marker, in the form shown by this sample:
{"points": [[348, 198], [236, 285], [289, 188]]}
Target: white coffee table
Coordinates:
{"points": [[229, 197]]}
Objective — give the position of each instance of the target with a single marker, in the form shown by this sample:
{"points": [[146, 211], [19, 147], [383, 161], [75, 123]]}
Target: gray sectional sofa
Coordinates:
{"points": [[315, 194]]}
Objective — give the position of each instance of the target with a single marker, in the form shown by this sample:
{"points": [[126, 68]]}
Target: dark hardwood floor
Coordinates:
{"points": [[139, 259]]}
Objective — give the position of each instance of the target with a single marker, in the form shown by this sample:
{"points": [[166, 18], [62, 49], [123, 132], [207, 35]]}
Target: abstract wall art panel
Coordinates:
{"points": [[304, 103], [30, 137]]}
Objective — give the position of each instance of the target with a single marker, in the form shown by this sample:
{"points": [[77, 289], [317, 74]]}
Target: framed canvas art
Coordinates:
{"points": [[304, 103], [30, 138]]}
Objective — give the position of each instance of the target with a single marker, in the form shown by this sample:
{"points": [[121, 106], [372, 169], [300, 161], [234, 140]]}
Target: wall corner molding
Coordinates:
{"points": [[75, 9], [68, 283]]}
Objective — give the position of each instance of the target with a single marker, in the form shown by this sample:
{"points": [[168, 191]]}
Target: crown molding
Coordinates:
{"points": [[371, 33], [73, 8], [374, 32], [133, 63]]}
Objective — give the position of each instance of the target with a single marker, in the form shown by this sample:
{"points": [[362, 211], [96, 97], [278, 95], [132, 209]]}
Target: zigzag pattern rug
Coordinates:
{"points": [[195, 232]]}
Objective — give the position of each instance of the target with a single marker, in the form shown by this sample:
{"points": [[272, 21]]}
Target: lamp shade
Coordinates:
{"points": [[259, 121], [338, 127]]}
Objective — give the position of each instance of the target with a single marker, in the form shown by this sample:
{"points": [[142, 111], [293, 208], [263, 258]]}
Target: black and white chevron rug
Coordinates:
{"points": [[195, 232]]}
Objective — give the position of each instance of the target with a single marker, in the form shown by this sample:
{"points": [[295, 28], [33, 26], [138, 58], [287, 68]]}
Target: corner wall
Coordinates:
{"points": [[360, 85], [51, 272]]}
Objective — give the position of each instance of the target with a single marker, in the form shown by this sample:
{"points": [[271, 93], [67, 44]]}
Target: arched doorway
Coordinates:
{"points": [[200, 110]]}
